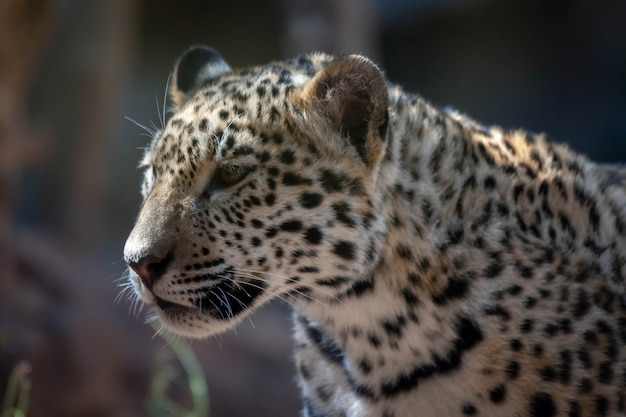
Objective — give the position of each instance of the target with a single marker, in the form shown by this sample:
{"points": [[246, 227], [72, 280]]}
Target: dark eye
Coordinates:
{"points": [[229, 175]]}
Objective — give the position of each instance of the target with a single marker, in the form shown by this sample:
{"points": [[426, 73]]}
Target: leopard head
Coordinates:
{"points": [[262, 184]]}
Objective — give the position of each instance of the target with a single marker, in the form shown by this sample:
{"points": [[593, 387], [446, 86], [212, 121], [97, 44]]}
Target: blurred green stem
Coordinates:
{"points": [[17, 393], [195, 382]]}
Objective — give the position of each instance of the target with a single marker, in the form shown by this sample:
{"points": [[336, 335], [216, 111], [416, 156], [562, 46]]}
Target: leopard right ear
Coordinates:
{"points": [[194, 68]]}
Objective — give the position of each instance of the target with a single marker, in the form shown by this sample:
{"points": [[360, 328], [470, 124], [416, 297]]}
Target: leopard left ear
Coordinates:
{"points": [[351, 93], [195, 67]]}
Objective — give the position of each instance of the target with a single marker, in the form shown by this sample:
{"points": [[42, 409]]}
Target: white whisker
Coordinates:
{"points": [[164, 111], [152, 133], [158, 107], [301, 284]]}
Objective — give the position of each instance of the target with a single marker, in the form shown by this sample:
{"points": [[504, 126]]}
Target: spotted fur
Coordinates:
{"points": [[436, 267]]}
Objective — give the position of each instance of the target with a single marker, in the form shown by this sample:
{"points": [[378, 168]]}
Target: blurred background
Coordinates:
{"points": [[72, 70]]}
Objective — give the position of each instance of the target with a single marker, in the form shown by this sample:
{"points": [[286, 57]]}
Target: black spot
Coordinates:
{"points": [[223, 114], [530, 302], [344, 250], [548, 373], [514, 289], [551, 329], [374, 340], [542, 405], [243, 150], [394, 328], [310, 200], [313, 235], [512, 369], [333, 281], [409, 297], [490, 183], [497, 394], [325, 345], [493, 270], [263, 157], [456, 287], [584, 358], [277, 138], [526, 326], [360, 287], [293, 179], [332, 181], [304, 372], [270, 199], [605, 373], [602, 406], [342, 211], [287, 156], [515, 345], [565, 372], [574, 409], [229, 142], [274, 171], [274, 113], [365, 366], [404, 251], [582, 303], [468, 409], [455, 236], [291, 226], [256, 223], [517, 190], [585, 385]]}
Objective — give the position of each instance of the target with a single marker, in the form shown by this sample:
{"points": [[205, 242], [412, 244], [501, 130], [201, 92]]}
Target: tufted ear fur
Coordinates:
{"points": [[351, 93], [194, 68]]}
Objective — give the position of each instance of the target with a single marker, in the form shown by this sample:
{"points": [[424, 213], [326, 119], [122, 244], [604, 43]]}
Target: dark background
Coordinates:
{"points": [[72, 70]]}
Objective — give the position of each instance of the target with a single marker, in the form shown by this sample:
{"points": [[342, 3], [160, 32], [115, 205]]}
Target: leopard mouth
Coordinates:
{"points": [[170, 307], [224, 300]]}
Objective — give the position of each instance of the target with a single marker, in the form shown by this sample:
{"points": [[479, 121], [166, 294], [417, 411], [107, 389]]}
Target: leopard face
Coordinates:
{"points": [[261, 185]]}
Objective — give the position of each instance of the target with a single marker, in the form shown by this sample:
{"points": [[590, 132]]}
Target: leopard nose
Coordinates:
{"points": [[150, 268]]}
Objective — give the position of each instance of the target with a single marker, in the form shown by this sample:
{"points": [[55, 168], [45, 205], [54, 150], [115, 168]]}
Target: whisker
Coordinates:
{"points": [[302, 284], [158, 107], [164, 111], [151, 132], [226, 303], [276, 294]]}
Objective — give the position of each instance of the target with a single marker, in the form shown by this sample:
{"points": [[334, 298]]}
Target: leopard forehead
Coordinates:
{"points": [[232, 116]]}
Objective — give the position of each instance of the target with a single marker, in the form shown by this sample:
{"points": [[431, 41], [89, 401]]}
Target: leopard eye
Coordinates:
{"points": [[229, 175]]}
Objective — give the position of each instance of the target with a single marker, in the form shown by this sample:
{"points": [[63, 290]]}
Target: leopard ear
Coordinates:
{"points": [[193, 69], [351, 93]]}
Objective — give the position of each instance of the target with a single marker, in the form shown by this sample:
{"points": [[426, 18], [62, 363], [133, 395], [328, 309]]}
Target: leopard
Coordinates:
{"points": [[434, 265]]}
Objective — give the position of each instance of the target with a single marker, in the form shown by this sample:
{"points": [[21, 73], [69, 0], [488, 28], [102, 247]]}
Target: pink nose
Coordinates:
{"points": [[150, 268]]}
